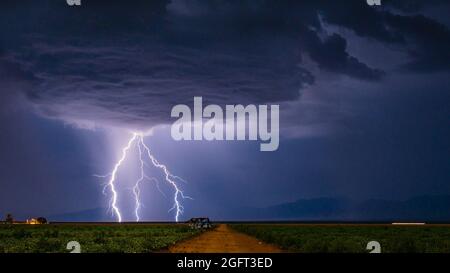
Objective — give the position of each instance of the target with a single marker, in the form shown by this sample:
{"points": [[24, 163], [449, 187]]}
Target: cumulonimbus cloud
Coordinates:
{"points": [[126, 64]]}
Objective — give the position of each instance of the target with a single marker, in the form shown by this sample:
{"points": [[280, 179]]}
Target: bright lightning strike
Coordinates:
{"points": [[138, 140], [169, 179], [136, 189], [113, 178]]}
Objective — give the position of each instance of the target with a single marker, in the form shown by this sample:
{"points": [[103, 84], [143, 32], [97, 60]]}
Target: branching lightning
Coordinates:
{"points": [[143, 154], [170, 179]]}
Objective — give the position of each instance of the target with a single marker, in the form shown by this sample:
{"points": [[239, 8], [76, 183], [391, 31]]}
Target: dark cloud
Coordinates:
{"points": [[364, 20], [424, 39], [413, 5], [431, 41], [126, 64], [331, 55], [140, 84]]}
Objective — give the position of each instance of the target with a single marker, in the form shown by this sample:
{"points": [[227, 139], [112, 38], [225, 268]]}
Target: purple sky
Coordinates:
{"points": [[363, 92]]}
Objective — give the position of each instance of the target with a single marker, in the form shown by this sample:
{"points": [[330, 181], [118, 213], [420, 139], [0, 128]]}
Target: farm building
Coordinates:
{"points": [[37, 221]]}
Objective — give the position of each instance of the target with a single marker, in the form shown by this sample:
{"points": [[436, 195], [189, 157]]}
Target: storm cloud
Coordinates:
{"points": [[126, 64]]}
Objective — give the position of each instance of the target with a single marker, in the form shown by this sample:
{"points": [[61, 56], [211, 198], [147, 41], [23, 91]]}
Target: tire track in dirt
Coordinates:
{"points": [[223, 239]]}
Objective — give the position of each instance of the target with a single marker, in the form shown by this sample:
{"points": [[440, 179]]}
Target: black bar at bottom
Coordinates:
{"points": [[282, 262]]}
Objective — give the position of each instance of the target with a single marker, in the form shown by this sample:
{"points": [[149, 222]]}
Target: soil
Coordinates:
{"points": [[223, 239]]}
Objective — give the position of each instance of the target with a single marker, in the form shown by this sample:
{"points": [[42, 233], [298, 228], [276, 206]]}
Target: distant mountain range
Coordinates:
{"points": [[422, 209]]}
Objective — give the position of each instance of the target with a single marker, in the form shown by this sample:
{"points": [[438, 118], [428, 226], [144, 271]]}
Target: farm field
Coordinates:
{"points": [[227, 238], [313, 238], [92, 237]]}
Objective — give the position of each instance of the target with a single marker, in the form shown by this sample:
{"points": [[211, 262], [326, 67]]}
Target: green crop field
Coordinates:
{"points": [[92, 237], [351, 238], [307, 238]]}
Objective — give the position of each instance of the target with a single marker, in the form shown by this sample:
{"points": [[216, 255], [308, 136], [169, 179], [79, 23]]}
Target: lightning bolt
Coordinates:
{"points": [[170, 178], [138, 140], [136, 189], [112, 180]]}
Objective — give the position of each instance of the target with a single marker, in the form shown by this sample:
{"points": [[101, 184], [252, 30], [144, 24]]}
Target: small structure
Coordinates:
{"points": [[37, 221], [200, 223], [9, 219]]}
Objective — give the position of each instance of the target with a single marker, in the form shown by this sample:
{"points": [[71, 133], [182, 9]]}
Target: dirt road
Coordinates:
{"points": [[223, 239]]}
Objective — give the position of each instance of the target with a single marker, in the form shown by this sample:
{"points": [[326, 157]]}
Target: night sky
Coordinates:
{"points": [[364, 95]]}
